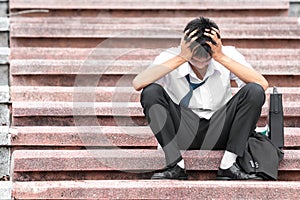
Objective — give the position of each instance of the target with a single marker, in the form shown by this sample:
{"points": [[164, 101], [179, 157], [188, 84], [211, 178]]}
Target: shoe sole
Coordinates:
{"points": [[224, 178], [179, 178], [230, 179]]}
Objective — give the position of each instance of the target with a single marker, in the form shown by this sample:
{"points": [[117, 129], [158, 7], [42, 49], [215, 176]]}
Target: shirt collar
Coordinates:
{"points": [[185, 69]]}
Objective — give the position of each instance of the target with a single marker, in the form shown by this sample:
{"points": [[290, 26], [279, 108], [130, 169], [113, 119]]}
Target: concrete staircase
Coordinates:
{"points": [[78, 130]]}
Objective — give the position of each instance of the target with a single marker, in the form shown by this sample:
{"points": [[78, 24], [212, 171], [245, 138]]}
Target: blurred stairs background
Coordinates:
{"points": [[78, 130]]}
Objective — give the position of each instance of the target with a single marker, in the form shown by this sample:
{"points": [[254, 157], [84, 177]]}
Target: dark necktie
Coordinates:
{"points": [[186, 99]]}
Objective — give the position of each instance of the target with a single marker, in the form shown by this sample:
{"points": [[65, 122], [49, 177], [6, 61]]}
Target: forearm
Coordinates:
{"points": [[152, 74], [244, 73]]}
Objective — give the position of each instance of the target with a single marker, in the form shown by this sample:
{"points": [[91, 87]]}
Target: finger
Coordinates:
{"points": [[213, 47], [208, 34], [213, 30], [217, 32], [207, 30], [213, 42], [194, 38], [187, 34], [213, 33], [214, 38], [188, 37], [209, 43], [184, 39], [193, 33]]}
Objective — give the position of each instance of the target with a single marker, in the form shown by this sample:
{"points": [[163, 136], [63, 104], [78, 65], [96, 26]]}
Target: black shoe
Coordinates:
{"points": [[175, 172], [235, 173]]}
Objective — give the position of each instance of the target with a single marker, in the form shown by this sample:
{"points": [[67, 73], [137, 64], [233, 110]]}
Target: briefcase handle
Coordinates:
{"points": [[276, 100]]}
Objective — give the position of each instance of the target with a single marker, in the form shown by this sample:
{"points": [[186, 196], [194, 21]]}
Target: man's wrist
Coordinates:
{"points": [[180, 60], [223, 59]]}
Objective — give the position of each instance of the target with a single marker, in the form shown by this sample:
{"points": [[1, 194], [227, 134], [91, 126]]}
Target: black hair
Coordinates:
{"points": [[200, 24]]}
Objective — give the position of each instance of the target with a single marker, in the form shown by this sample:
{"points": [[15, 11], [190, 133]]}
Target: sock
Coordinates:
{"points": [[181, 164], [159, 146], [228, 159]]}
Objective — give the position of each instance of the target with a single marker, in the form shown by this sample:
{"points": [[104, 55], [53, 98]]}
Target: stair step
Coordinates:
{"points": [[105, 94], [157, 21], [106, 114], [152, 4], [103, 136], [130, 136], [124, 160], [88, 53], [80, 94], [76, 109], [113, 42], [134, 8], [133, 109], [151, 189], [157, 31], [128, 67], [134, 54], [119, 80]]}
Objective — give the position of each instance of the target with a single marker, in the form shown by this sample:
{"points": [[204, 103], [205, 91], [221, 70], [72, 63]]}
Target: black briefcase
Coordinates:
{"points": [[276, 119]]}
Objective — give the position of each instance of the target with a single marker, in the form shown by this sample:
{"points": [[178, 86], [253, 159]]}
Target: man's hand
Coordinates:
{"points": [[216, 45], [188, 45], [246, 74]]}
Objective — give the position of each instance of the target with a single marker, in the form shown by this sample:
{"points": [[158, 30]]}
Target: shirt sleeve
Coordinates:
{"points": [[161, 58], [237, 56]]}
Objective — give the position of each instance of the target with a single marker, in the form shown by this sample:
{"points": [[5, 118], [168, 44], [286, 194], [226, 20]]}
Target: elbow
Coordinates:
{"points": [[136, 85], [264, 83]]}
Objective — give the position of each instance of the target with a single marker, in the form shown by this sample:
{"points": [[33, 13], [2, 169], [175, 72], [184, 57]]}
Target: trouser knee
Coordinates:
{"points": [[255, 94], [152, 94]]}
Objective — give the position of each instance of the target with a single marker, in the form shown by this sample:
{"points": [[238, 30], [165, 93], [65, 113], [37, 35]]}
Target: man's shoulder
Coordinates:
{"points": [[232, 52], [229, 49]]}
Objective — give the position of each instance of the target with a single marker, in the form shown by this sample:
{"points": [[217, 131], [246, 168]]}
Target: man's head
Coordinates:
{"points": [[203, 52]]}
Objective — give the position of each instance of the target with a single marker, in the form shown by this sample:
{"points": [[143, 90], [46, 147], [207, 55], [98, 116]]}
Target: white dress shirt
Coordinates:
{"points": [[213, 94]]}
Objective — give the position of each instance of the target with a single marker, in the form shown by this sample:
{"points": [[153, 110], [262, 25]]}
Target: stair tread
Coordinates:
{"points": [[124, 159], [104, 94], [157, 20], [61, 89], [73, 30], [152, 189], [106, 108], [152, 4], [126, 67], [134, 53], [136, 136], [84, 136]]}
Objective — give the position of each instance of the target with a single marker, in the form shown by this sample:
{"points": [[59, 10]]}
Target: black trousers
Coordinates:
{"points": [[178, 128]]}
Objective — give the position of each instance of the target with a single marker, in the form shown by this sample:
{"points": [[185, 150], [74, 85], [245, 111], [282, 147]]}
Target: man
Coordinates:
{"points": [[188, 103]]}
